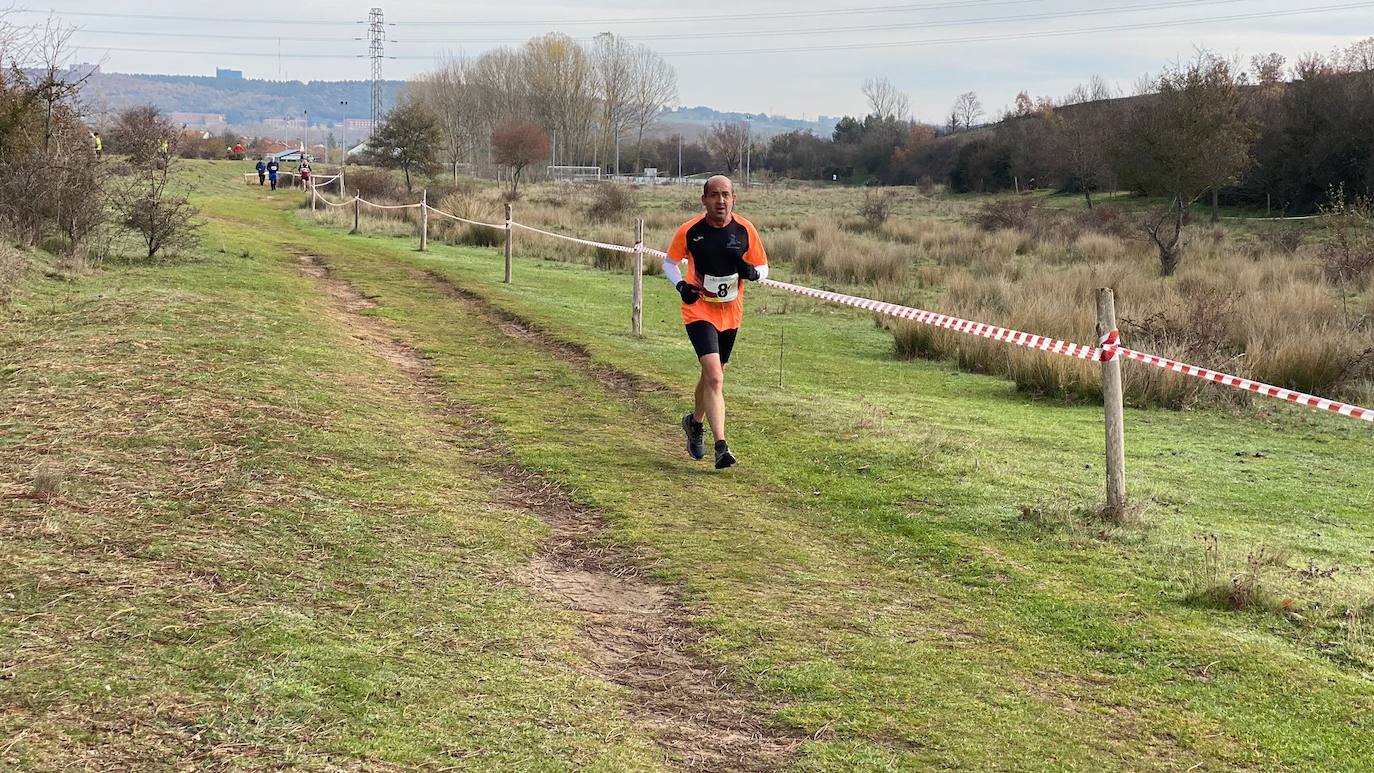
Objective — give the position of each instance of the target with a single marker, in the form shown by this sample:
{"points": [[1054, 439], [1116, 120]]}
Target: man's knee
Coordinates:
{"points": [[712, 373]]}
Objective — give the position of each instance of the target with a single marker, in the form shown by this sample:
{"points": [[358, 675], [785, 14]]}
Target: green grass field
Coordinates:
{"points": [[235, 534]]}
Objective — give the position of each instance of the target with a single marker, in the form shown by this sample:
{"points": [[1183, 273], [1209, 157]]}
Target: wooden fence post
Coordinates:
{"points": [[341, 184], [1112, 406], [424, 220], [637, 298], [510, 234], [312, 198]]}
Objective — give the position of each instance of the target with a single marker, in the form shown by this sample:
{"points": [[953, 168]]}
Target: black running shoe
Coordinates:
{"points": [[723, 456], [695, 430]]}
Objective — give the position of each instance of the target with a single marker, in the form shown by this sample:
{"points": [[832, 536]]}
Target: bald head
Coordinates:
{"points": [[718, 197], [716, 181]]}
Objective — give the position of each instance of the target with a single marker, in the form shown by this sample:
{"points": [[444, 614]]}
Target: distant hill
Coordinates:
{"points": [[694, 122], [241, 101], [248, 102]]}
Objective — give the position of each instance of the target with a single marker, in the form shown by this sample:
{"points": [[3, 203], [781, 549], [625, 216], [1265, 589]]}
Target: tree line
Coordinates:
{"points": [[1265, 135], [589, 101]]}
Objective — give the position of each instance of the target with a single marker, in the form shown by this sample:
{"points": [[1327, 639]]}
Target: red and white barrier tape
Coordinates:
{"points": [[956, 324], [1110, 349], [1257, 387]]}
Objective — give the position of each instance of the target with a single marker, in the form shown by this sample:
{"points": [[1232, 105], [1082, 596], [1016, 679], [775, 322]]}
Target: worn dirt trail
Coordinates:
{"points": [[636, 631]]}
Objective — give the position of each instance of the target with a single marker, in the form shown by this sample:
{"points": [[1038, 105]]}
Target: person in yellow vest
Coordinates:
{"points": [[98, 144]]}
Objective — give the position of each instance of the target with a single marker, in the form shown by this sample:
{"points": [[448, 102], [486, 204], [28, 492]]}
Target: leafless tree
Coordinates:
{"points": [[1267, 68], [143, 134], [149, 201], [725, 141], [967, 110], [559, 77], [886, 100], [450, 97], [517, 144], [654, 88], [613, 65]]}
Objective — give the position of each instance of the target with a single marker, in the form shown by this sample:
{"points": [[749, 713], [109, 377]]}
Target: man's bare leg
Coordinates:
{"points": [[710, 395]]}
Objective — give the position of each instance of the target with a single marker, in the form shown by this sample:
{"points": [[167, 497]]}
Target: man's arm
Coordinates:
{"points": [[754, 265], [672, 267]]}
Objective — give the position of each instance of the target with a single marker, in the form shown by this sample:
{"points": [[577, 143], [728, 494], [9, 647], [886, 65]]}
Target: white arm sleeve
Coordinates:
{"points": [[763, 271], [672, 270]]}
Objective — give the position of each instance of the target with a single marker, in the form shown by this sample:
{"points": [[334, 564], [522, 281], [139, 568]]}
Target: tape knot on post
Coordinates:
{"points": [[1109, 348]]}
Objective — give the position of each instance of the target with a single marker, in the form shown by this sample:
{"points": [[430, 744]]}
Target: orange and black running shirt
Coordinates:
{"points": [[713, 254]]}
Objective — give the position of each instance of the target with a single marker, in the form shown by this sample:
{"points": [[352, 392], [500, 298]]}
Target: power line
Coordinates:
{"points": [[162, 17], [1027, 35], [207, 35], [718, 18], [1152, 6], [836, 47], [271, 54]]}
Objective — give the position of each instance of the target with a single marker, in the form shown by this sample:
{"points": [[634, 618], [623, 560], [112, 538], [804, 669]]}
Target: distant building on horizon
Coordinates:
{"points": [[358, 124], [197, 119], [230, 75]]}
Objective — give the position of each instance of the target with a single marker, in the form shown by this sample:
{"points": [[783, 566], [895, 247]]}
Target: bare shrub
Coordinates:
{"points": [[876, 207], [157, 210], [1347, 256], [996, 215], [377, 185], [609, 202]]}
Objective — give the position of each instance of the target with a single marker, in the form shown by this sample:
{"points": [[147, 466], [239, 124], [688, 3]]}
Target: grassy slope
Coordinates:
{"points": [[264, 555], [865, 568], [873, 534]]}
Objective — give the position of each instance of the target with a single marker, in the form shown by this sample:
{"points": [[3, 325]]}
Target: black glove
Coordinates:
{"points": [[748, 271], [689, 293]]}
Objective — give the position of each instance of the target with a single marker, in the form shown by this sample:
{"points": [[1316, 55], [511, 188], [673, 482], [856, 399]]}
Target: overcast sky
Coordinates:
{"points": [[932, 49]]}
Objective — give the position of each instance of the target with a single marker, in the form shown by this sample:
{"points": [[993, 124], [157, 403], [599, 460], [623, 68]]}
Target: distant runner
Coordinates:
{"points": [[721, 249], [272, 168], [262, 172]]}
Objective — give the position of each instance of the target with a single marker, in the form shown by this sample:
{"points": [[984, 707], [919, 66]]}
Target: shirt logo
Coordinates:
{"points": [[697, 239], [733, 243]]}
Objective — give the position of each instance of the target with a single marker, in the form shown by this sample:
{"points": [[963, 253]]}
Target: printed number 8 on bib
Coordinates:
{"points": [[720, 289]]}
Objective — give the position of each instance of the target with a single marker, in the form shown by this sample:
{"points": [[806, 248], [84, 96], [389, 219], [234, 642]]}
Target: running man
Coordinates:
{"points": [[721, 249], [272, 168]]}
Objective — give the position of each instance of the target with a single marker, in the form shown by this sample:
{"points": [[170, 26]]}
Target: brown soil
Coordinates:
{"points": [[637, 631]]}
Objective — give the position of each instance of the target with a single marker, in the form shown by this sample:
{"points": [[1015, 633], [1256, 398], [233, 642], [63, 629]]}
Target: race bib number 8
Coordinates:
{"points": [[720, 289]]}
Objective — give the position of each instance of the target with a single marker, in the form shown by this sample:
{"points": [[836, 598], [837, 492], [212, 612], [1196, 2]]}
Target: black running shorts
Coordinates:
{"points": [[707, 340]]}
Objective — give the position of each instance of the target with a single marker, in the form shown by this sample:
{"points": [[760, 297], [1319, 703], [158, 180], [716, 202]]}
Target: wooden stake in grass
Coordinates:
{"points": [[509, 236], [424, 220], [1112, 405], [637, 300], [355, 214]]}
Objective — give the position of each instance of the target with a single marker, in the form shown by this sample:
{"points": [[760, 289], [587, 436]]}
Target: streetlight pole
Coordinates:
{"points": [[343, 103], [305, 141]]}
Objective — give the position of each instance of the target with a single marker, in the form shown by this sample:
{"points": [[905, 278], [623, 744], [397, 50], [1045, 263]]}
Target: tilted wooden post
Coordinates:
{"points": [[313, 195], [424, 220], [355, 214], [1112, 401], [341, 184], [509, 236], [637, 300]]}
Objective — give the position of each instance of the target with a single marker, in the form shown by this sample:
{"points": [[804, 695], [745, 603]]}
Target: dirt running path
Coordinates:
{"points": [[637, 632]]}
